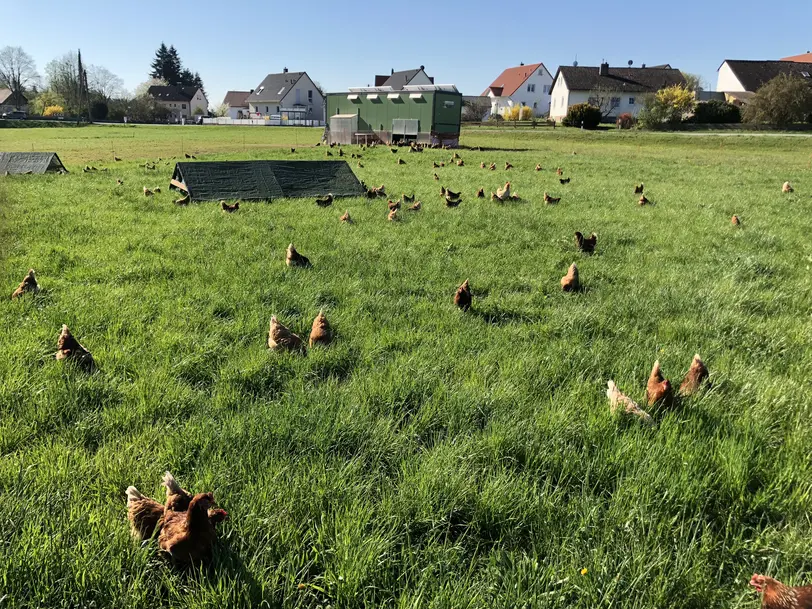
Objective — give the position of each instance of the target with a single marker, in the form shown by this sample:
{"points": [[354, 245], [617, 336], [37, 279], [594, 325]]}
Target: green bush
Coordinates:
{"points": [[782, 101], [583, 115], [716, 111], [99, 110]]}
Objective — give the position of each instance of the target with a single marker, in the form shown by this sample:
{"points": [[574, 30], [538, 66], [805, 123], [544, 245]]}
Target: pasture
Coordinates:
{"points": [[428, 457]]}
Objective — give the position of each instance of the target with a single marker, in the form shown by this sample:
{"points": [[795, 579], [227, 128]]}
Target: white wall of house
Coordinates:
{"points": [[199, 101], [234, 112], [726, 81], [184, 109], [534, 92], [560, 99], [305, 93], [563, 99]]}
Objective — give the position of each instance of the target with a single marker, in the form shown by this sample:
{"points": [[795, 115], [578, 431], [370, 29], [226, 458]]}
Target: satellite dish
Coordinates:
{"points": [[630, 63], [574, 64]]}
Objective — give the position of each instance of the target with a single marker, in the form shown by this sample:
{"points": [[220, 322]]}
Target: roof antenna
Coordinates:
{"points": [[575, 63]]}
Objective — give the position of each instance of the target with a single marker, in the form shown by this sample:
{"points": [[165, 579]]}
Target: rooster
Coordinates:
{"points": [[623, 404], [436, 177], [569, 282], [638, 190], [643, 200], [230, 208], [480, 194], [281, 338], [508, 166], [346, 217], [294, 258], [775, 595], [658, 388], [320, 333], [697, 374], [462, 297], [538, 167], [415, 207], [452, 202], [28, 285], [551, 200], [787, 187], [393, 150], [735, 221], [325, 201], [586, 244], [393, 215], [340, 152], [183, 200], [564, 180], [188, 537], [69, 349]]}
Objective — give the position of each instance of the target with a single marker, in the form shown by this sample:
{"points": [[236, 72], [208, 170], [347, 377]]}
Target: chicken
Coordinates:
{"points": [[372, 193], [492, 167], [569, 282], [451, 202], [559, 171], [328, 153], [28, 285], [538, 167], [415, 207], [69, 349], [586, 244], [360, 165], [401, 162], [393, 215], [643, 200], [392, 205], [564, 180], [638, 190], [452, 194], [183, 200], [294, 258], [442, 163], [320, 333], [735, 221], [436, 177], [380, 190], [514, 196], [435, 165], [460, 163], [775, 595], [623, 404], [332, 144], [119, 182], [407, 199], [462, 297], [157, 190], [325, 201], [230, 208], [393, 150], [340, 152], [190, 156], [115, 158], [144, 514], [442, 191], [482, 165], [787, 187], [346, 217], [658, 388], [697, 374], [188, 536], [147, 192], [293, 150], [281, 338], [508, 166], [504, 192], [551, 200], [480, 194]]}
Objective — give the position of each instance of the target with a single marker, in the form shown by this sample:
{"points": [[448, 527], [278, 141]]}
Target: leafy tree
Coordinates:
{"points": [[221, 110], [18, 72], [693, 82], [46, 99], [666, 107], [99, 110], [784, 100], [585, 115]]}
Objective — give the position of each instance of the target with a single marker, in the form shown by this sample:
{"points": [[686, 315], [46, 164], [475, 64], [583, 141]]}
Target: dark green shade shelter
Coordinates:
{"points": [[265, 180], [30, 162]]}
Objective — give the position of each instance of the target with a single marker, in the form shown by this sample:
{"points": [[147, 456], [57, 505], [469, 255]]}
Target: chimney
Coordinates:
{"points": [[422, 67], [284, 70], [604, 69], [644, 65], [521, 63], [393, 71], [251, 91]]}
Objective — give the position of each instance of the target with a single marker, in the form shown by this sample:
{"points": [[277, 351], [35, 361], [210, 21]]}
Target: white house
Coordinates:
{"points": [[739, 76], [290, 93], [398, 80], [181, 102], [616, 90], [525, 85], [237, 104]]}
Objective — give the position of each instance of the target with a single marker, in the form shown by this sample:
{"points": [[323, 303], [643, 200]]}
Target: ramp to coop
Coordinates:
{"points": [[265, 180], [30, 162]]}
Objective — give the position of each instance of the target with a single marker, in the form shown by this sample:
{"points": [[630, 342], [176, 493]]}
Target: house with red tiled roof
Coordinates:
{"points": [[802, 58], [525, 85]]}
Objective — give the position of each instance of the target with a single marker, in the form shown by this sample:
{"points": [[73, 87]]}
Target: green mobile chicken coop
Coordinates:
{"points": [[420, 113]]}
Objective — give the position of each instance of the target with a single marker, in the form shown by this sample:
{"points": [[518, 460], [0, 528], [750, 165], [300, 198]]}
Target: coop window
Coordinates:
{"points": [[352, 97], [448, 104]]}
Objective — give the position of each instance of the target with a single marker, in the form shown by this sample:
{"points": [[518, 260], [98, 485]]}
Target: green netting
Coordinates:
{"points": [[266, 180], [30, 162]]}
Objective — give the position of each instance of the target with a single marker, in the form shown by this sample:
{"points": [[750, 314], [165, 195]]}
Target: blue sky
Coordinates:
{"points": [[342, 44]]}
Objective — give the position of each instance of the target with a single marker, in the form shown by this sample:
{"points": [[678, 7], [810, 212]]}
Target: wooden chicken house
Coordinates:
{"points": [[419, 113]]}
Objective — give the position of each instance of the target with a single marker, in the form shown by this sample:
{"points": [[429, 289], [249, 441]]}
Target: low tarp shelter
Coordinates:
{"points": [[30, 162], [264, 180]]}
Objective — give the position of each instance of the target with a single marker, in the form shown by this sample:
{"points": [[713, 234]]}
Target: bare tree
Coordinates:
{"points": [[693, 82], [18, 72], [62, 75], [475, 110], [606, 99], [103, 82], [141, 90]]}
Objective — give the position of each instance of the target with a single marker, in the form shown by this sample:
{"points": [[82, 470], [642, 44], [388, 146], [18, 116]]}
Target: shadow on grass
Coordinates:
{"points": [[498, 316]]}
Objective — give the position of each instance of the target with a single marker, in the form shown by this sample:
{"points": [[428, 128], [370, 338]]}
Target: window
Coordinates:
{"points": [[535, 105], [266, 109], [541, 72], [546, 89], [310, 95], [805, 74], [277, 109], [183, 106], [531, 88], [631, 101]]}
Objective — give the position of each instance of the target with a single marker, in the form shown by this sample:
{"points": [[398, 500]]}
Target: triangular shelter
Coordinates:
{"points": [[264, 180], [30, 162]]}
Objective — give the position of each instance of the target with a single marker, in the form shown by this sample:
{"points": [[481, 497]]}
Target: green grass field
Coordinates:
{"points": [[428, 458]]}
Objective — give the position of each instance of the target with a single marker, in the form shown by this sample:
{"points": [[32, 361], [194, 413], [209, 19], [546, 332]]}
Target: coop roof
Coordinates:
{"points": [[265, 180], [30, 162], [753, 74], [628, 80]]}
